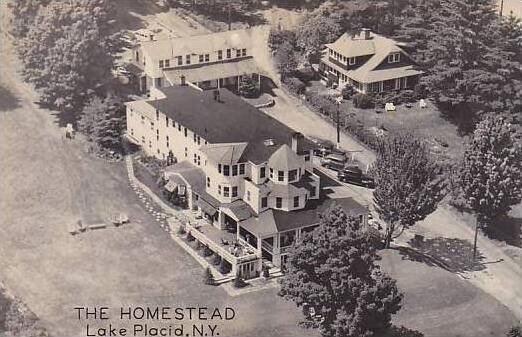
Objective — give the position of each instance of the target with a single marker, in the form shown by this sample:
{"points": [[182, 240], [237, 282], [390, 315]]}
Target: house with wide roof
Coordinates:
{"points": [[207, 61], [241, 170], [371, 63]]}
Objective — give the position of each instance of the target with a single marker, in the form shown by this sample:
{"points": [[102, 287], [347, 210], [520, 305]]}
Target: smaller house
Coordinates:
{"points": [[371, 63]]}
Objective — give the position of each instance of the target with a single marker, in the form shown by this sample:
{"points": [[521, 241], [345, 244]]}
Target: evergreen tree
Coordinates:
{"points": [[490, 174], [103, 121], [469, 68], [332, 274], [408, 187]]}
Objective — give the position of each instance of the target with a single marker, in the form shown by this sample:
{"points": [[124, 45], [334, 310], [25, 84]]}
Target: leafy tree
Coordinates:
{"points": [[208, 278], [239, 282], [248, 86], [490, 174], [286, 59], [277, 37], [67, 51], [408, 186], [22, 14], [103, 121], [515, 331], [318, 28], [332, 275]]}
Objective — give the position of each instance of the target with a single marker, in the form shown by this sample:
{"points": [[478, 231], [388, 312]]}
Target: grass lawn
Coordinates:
{"points": [[439, 303]]}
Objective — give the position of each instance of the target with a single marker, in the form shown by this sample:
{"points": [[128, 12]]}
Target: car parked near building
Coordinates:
{"points": [[334, 161], [354, 175]]}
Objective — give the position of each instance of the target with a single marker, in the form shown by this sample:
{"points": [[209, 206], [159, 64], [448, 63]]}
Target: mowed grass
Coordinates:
{"points": [[439, 303]]}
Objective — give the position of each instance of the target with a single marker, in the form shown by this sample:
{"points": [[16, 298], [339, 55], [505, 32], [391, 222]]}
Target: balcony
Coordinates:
{"points": [[267, 246]]}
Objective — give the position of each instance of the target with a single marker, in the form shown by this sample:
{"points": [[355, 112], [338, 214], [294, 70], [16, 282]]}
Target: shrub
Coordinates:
{"points": [[321, 104], [190, 237], [239, 282], [217, 260], [199, 245], [248, 87], [276, 38], [395, 97], [363, 101], [208, 278], [224, 267], [307, 74], [181, 230], [207, 251], [295, 85], [348, 91]]}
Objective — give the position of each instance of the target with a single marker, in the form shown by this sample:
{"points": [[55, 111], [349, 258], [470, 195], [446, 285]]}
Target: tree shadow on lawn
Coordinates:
{"points": [[454, 255], [8, 101], [507, 229]]}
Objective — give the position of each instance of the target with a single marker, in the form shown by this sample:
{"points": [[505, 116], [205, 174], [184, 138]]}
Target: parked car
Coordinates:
{"points": [[354, 175], [334, 161], [325, 147]]}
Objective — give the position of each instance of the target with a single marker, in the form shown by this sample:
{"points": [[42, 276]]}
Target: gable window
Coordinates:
{"points": [[394, 58], [201, 58], [152, 125], [185, 131], [351, 60], [137, 56], [271, 173], [234, 170], [279, 202], [167, 63], [219, 189], [292, 175], [180, 60], [208, 182], [157, 134], [207, 57], [220, 54], [166, 121], [264, 202], [226, 191], [241, 168], [161, 63], [238, 52], [195, 158], [219, 168], [199, 160], [187, 59], [195, 137], [186, 152], [199, 140], [229, 53], [226, 170], [243, 52], [234, 191], [296, 201], [262, 172], [280, 175]]}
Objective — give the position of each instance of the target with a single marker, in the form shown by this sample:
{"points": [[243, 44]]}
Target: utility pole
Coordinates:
{"points": [[338, 100], [501, 7]]}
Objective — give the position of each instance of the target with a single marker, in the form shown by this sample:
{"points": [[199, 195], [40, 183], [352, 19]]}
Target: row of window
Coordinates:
{"points": [[201, 57], [394, 58], [344, 59], [236, 169], [292, 175]]}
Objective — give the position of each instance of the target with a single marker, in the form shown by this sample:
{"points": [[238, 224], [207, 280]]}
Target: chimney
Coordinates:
{"points": [[182, 80], [297, 142], [366, 33]]}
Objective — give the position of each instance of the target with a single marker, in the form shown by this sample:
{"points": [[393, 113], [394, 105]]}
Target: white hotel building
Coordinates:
{"points": [[244, 171]]}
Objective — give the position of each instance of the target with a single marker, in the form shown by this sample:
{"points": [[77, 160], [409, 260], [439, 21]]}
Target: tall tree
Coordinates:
{"points": [[22, 14], [332, 274], [490, 174], [409, 186], [317, 28], [286, 60], [469, 70], [103, 122], [68, 51]]}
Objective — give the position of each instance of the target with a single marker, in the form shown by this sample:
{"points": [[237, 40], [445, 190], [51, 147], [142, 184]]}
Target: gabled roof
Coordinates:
{"points": [[196, 44], [285, 159], [229, 120], [225, 153]]}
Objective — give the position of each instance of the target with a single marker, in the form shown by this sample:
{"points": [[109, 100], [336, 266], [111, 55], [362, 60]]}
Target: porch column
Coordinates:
{"points": [[238, 78]]}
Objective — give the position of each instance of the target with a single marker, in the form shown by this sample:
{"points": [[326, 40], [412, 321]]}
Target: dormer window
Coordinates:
{"points": [[167, 63], [351, 60], [394, 58], [280, 175]]}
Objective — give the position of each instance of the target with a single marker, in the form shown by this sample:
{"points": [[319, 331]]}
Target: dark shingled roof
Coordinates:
{"points": [[229, 120]]}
